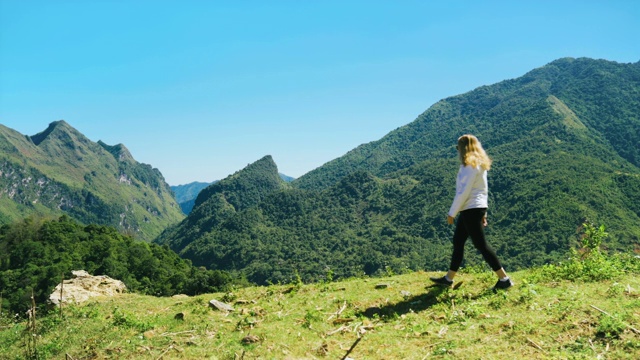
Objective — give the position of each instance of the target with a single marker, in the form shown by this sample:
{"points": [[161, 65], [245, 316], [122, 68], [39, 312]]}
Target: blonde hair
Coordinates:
{"points": [[472, 153]]}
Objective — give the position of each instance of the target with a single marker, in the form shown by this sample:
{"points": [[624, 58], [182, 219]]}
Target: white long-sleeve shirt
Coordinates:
{"points": [[472, 190]]}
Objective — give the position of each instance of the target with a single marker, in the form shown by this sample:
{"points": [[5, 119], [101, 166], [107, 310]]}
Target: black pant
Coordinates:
{"points": [[469, 224]]}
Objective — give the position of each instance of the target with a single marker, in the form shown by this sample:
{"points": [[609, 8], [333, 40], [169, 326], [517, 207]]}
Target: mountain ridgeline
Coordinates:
{"points": [[61, 172], [564, 140], [186, 194], [222, 200]]}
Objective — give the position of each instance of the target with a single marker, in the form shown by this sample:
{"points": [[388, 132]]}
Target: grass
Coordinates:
{"points": [[404, 320]]}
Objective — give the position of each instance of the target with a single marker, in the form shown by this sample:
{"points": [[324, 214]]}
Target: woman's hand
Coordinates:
{"points": [[449, 220], [484, 221]]}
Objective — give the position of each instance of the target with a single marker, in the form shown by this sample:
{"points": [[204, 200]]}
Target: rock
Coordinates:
{"points": [[180, 296], [258, 311], [220, 305], [323, 350], [85, 286], [250, 339]]}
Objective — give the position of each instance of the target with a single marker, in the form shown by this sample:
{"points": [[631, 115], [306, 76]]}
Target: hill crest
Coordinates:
{"points": [[492, 106]]}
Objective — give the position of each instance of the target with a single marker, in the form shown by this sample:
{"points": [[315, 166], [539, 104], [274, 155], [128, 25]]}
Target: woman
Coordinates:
{"points": [[471, 202]]}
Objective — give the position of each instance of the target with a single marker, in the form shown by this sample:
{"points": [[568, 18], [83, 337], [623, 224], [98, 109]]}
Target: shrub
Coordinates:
{"points": [[589, 263], [610, 326]]}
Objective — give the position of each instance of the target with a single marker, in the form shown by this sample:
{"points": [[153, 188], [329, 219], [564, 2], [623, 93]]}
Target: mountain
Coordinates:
{"points": [[221, 200], [596, 97], [186, 194], [286, 177], [564, 140], [189, 191], [60, 171]]}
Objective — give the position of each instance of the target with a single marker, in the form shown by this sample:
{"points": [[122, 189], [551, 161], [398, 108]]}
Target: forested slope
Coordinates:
{"points": [[221, 200]]}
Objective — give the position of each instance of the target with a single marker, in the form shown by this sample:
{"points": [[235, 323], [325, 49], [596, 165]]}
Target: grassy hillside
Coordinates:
{"points": [[392, 317], [59, 171]]}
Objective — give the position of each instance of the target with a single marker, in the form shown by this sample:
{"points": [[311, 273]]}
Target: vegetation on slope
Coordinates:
{"points": [[186, 194], [60, 171], [584, 308], [222, 200], [36, 253]]}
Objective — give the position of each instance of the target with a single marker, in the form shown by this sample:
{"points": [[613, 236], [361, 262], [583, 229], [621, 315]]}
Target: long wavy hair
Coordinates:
{"points": [[471, 152]]}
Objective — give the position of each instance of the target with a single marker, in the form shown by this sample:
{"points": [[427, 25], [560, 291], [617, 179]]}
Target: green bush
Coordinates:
{"points": [[610, 326], [589, 263], [129, 321]]}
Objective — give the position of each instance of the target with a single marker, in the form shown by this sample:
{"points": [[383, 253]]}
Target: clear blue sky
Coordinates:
{"points": [[200, 89]]}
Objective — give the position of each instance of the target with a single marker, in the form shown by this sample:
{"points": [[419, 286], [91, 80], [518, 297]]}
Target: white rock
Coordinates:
{"points": [[220, 305], [85, 286]]}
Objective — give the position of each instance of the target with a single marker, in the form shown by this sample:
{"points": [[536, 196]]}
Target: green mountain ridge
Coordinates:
{"points": [[60, 171], [563, 138], [610, 109], [186, 194], [221, 200]]}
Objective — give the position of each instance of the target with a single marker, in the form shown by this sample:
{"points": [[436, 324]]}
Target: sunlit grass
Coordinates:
{"points": [[404, 320]]}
